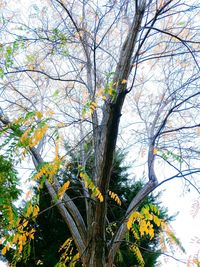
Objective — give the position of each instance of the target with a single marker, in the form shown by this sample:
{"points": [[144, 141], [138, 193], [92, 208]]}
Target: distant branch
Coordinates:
{"points": [[184, 42], [45, 74]]}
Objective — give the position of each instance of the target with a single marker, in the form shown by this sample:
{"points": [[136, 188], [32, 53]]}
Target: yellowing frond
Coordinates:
{"points": [[10, 216], [171, 238], [36, 210], [48, 170], [146, 227], [90, 185], [138, 255], [62, 190], [115, 197], [67, 254], [157, 220], [135, 233], [29, 210], [57, 151], [31, 234], [97, 193], [133, 217], [111, 91], [74, 260], [24, 138], [66, 244], [189, 261], [144, 221], [38, 135]]}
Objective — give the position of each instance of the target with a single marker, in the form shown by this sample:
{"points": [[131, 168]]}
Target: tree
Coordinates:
{"points": [[94, 64], [9, 192]]}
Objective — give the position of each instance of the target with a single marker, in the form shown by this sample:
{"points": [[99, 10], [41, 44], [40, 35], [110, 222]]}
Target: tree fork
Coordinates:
{"points": [[108, 135]]}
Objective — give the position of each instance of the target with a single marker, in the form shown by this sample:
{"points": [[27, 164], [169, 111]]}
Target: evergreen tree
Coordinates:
{"points": [[52, 231]]}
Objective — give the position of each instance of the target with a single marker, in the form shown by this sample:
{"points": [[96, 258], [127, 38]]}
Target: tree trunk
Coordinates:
{"points": [[96, 254]]}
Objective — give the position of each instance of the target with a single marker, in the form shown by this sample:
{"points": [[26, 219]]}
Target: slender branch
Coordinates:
{"points": [[180, 128], [184, 42], [170, 112], [45, 74]]}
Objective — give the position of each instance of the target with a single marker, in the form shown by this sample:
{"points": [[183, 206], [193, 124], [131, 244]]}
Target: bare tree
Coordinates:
{"points": [[96, 64]]}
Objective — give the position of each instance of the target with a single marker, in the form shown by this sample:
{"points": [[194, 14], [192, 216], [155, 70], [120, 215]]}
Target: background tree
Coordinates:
{"points": [[9, 192], [96, 65], [45, 246]]}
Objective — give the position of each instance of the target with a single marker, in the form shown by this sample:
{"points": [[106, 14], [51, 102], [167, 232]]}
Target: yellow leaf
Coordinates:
{"points": [[111, 91], [157, 221], [24, 137], [130, 222], [136, 235], [66, 244], [3, 251], [74, 260], [30, 209], [15, 238], [124, 81], [38, 114], [155, 151], [36, 210], [94, 104], [62, 190], [31, 235], [101, 198], [38, 135], [133, 217], [20, 248], [25, 223], [115, 197]]}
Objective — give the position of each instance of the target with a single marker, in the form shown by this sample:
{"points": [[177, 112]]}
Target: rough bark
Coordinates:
{"points": [[96, 250]]}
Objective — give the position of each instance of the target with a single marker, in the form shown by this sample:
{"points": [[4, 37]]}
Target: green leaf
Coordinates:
{"points": [[1, 73], [181, 23], [56, 93], [29, 115], [15, 45], [9, 50]]}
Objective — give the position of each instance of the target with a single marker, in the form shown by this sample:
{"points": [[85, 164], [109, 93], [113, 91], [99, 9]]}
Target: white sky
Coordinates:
{"points": [[185, 226]]}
